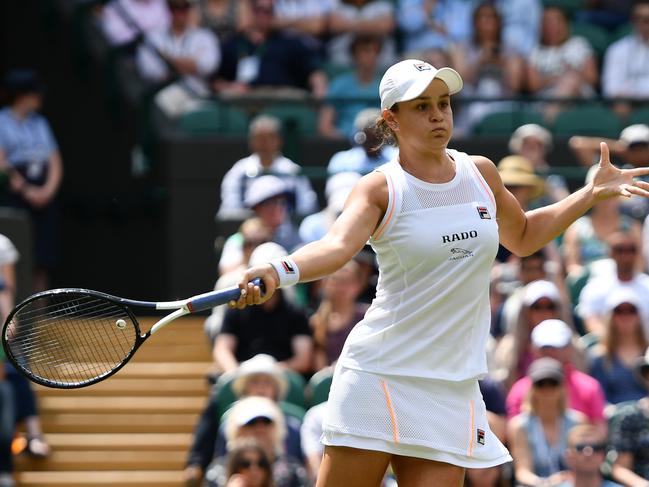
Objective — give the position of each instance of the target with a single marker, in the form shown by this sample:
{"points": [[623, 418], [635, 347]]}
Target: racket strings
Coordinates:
{"points": [[71, 338]]}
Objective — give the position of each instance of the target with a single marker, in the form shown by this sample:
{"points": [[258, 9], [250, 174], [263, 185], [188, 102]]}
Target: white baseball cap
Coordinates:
{"points": [[635, 134], [264, 188], [551, 333], [408, 79], [536, 290]]}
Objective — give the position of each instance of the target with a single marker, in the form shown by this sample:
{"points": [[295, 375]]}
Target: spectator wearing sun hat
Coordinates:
{"points": [[269, 197], [554, 338]]}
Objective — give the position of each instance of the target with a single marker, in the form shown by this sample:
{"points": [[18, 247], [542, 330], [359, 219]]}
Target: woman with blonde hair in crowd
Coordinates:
{"points": [[624, 341], [337, 313], [538, 435]]}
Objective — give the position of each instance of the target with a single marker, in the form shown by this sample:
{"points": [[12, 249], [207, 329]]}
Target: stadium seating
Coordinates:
{"points": [[588, 119], [505, 122], [215, 118], [317, 389]]}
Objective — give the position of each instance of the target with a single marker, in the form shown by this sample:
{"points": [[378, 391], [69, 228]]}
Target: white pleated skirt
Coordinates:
{"points": [[411, 416]]}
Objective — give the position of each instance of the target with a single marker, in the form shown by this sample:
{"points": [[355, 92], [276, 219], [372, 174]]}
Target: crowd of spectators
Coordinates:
{"points": [[333, 52]]}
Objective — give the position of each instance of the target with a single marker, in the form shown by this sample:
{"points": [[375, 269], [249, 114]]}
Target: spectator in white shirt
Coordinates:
{"points": [[124, 20], [625, 72], [265, 140]]}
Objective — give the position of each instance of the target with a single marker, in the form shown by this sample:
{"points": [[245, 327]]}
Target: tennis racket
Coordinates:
{"points": [[71, 338]]}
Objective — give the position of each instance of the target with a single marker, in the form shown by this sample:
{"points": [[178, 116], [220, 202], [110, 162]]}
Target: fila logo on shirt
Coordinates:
{"points": [[456, 237], [480, 436], [483, 212]]}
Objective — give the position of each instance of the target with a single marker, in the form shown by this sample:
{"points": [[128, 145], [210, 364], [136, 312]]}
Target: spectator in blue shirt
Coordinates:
{"points": [[30, 157]]}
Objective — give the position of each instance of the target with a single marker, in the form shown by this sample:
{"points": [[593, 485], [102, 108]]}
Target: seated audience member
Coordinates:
{"points": [[541, 300], [182, 51], [517, 173], [534, 142], [337, 314], [584, 245], [630, 436], [625, 70], [622, 343], [352, 17], [276, 328], [624, 248], [353, 90], [562, 65], [265, 143], [262, 56], [521, 24], [268, 197], [538, 435], [337, 189], [252, 233], [8, 257], [248, 465], [30, 158], [306, 17], [366, 154], [310, 435], [488, 68], [585, 453], [424, 24], [259, 418], [260, 376], [224, 17], [123, 21], [553, 338], [632, 149]]}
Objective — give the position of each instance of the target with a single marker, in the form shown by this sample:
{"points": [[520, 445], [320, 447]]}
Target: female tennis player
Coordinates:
{"points": [[405, 389]]}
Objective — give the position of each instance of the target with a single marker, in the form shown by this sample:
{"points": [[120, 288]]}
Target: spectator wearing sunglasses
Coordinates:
{"points": [[621, 345], [630, 435], [584, 457], [249, 466], [624, 248], [555, 339], [259, 418], [538, 435]]}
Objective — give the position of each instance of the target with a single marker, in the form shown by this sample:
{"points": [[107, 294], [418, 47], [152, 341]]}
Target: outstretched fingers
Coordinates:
{"points": [[604, 158]]}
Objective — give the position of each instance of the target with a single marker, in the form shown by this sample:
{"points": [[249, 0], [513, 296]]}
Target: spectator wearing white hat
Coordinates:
{"points": [[539, 300], [260, 376], [367, 152], [259, 418], [269, 198], [624, 248], [630, 435], [554, 338], [622, 343], [337, 189], [265, 142]]}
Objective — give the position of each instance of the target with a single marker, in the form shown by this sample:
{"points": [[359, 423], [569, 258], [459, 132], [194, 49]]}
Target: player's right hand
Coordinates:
{"points": [[251, 294]]}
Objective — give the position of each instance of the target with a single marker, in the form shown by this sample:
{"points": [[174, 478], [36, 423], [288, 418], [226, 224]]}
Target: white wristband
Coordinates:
{"points": [[287, 270]]}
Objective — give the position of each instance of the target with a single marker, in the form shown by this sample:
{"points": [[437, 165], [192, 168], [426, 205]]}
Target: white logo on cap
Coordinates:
{"points": [[423, 66]]}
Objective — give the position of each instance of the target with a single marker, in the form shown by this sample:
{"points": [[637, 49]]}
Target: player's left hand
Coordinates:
{"points": [[610, 181]]}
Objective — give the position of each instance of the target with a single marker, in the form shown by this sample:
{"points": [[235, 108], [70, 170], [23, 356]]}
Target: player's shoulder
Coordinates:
{"points": [[488, 170]]}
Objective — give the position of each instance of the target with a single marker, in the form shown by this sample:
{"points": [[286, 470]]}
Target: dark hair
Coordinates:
{"points": [[236, 458], [20, 82], [385, 134], [476, 12], [364, 39]]}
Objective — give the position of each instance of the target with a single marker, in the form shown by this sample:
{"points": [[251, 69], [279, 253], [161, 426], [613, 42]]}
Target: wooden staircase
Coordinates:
{"points": [[133, 429]]}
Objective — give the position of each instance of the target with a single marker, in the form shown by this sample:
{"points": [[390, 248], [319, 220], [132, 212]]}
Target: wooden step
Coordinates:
{"points": [[129, 386], [174, 353], [142, 368], [102, 460], [119, 441], [114, 478], [118, 423], [122, 404]]}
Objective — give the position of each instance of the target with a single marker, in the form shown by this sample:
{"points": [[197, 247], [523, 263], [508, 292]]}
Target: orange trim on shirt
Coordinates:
{"points": [[393, 417], [483, 184], [391, 203], [472, 427]]}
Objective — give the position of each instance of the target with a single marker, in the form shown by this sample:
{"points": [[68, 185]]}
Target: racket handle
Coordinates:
{"points": [[222, 296]]}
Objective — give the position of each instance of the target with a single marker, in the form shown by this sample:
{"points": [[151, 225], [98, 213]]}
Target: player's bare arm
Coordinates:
{"points": [[362, 214], [525, 232]]}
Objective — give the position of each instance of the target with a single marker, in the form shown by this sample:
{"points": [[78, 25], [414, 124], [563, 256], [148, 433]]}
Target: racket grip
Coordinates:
{"points": [[217, 298]]}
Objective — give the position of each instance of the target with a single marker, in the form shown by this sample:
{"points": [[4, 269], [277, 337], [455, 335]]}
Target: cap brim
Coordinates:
{"points": [[448, 75]]}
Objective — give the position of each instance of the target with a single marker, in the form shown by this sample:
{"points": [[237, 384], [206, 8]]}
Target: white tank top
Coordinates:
{"points": [[435, 247]]}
